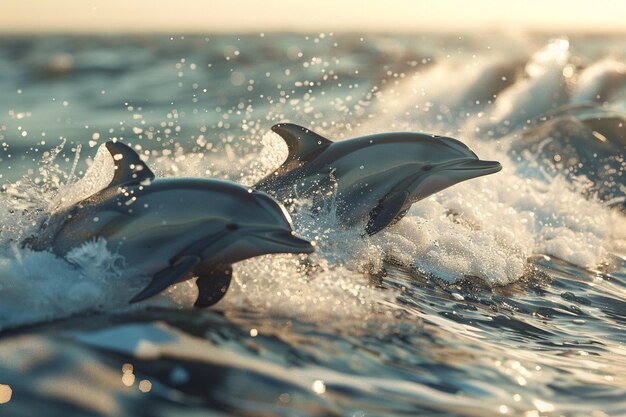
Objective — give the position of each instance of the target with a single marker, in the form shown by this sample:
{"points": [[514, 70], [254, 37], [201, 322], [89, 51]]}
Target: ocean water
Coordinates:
{"points": [[503, 295]]}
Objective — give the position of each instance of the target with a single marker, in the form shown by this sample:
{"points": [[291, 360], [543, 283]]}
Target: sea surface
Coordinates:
{"points": [[503, 295]]}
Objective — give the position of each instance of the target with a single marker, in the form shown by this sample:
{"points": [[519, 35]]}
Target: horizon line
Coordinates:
{"points": [[175, 31]]}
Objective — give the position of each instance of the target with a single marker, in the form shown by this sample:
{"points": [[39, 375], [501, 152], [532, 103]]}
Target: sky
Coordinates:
{"points": [[208, 16]]}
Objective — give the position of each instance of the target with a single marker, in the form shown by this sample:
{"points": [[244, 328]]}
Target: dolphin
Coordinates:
{"points": [[175, 229], [374, 179]]}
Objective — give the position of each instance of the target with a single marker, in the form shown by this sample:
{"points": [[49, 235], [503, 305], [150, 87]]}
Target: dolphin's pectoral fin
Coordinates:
{"points": [[168, 276], [399, 217], [212, 285], [129, 168], [387, 211], [303, 144]]}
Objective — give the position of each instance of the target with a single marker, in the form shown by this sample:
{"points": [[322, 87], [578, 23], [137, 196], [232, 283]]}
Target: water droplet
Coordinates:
{"points": [[318, 386], [5, 393], [145, 385]]}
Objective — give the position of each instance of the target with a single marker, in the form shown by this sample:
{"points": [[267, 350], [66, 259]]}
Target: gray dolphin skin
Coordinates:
{"points": [[175, 229], [374, 179]]}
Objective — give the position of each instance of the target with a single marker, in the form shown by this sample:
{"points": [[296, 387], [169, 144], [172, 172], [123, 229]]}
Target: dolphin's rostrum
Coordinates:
{"points": [[175, 229], [374, 179]]}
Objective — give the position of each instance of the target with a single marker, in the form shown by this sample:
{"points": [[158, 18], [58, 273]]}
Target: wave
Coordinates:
{"points": [[486, 228]]}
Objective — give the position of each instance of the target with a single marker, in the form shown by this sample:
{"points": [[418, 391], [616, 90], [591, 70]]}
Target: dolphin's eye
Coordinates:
{"points": [[427, 167], [232, 226]]}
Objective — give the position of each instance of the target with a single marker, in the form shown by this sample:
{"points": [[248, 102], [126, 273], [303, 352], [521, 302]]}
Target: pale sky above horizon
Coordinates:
{"points": [[206, 16]]}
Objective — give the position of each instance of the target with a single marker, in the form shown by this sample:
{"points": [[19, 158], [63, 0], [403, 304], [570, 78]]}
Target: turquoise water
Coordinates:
{"points": [[504, 295]]}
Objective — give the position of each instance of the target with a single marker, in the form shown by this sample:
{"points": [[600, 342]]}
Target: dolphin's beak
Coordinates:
{"points": [[472, 168], [283, 241]]}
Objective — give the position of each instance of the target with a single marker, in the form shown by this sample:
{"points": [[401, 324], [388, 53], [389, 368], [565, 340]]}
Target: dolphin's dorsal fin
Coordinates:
{"points": [[129, 168], [303, 144]]}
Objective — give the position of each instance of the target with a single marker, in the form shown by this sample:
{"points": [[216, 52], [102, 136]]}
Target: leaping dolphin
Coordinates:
{"points": [[375, 179], [175, 229]]}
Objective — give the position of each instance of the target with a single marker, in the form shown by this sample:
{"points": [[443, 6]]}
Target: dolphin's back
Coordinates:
{"points": [[374, 178], [173, 229], [153, 221]]}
